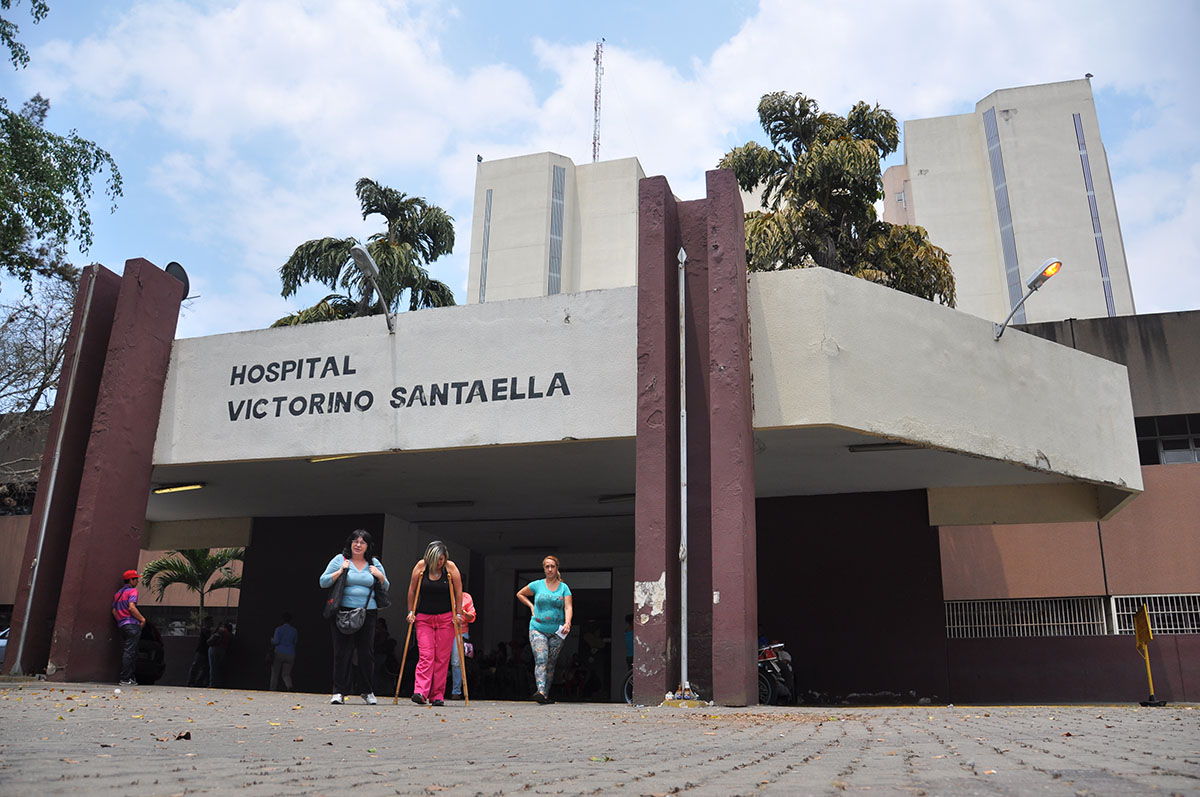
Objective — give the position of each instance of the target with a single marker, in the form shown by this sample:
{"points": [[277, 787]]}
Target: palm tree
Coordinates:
{"points": [[820, 179], [417, 233], [194, 568]]}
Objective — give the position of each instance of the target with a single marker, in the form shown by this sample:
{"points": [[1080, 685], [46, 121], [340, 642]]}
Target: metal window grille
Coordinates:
{"points": [[1169, 614], [1025, 617], [1091, 196], [487, 232], [1008, 241], [554, 283]]}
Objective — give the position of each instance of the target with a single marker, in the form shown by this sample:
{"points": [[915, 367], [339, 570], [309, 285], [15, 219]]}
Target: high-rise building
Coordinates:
{"points": [[543, 225], [1022, 179]]}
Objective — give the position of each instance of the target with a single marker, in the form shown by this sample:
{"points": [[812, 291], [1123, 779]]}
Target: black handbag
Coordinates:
{"points": [[348, 621]]}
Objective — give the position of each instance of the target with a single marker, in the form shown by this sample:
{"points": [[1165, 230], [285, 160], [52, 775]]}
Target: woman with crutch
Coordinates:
{"points": [[435, 610]]}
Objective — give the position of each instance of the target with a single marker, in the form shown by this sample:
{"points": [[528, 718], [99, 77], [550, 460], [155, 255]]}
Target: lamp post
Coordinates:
{"points": [[366, 264], [1048, 270]]}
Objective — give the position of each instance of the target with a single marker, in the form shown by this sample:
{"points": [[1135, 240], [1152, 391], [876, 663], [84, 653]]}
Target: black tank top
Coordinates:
{"points": [[435, 595]]}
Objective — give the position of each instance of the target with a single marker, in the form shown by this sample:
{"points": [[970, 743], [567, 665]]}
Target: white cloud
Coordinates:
{"points": [[254, 119]]}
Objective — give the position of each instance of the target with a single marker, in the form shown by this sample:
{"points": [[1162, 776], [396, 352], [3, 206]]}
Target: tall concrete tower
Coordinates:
{"points": [[1023, 178]]}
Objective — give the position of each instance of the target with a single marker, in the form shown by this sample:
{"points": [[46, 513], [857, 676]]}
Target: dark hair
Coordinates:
{"points": [[366, 537], [287, 617]]}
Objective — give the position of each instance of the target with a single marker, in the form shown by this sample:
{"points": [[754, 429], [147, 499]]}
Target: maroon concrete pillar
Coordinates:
{"points": [[62, 466], [106, 537], [731, 429], [656, 512], [722, 607]]}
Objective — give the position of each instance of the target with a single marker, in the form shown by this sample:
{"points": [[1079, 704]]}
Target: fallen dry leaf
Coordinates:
{"points": [[186, 736]]}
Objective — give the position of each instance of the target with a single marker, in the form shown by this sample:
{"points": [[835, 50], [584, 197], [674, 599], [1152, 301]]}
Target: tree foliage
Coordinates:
{"points": [[819, 180], [46, 180], [33, 338], [416, 234], [194, 568]]}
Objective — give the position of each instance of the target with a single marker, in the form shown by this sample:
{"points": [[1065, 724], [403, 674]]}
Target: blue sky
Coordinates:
{"points": [[241, 126]]}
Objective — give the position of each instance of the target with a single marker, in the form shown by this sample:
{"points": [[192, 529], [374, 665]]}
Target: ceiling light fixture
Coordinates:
{"points": [[867, 448], [178, 488], [332, 458]]}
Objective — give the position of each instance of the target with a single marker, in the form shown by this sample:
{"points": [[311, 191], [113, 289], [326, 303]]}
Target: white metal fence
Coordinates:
{"points": [[1169, 614], [1025, 617], [1086, 616]]}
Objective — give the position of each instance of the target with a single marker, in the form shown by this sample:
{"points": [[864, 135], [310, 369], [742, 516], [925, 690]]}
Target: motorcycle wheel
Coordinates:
{"points": [[766, 689]]}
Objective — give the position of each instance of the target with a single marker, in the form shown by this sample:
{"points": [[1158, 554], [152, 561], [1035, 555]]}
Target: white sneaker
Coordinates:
{"points": [[336, 700], [369, 699]]}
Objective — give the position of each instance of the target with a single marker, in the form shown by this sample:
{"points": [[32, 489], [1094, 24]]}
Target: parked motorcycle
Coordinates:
{"points": [[776, 681]]}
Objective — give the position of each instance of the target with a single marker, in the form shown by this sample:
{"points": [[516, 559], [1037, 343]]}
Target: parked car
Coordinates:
{"points": [[151, 660]]}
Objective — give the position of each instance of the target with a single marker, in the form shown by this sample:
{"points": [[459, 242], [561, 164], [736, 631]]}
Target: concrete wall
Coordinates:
{"points": [[1161, 352], [951, 196], [516, 372], [833, 349], [607, 230]]}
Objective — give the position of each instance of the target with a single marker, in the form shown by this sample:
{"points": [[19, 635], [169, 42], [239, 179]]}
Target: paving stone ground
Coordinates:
{"points": [[84, 739]]}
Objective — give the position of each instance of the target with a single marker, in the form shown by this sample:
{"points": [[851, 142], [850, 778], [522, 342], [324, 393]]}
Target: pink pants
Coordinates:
{"points": [[435, 640]]}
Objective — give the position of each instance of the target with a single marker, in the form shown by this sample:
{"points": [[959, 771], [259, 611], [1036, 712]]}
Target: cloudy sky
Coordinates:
{"points": [[240, 127]]}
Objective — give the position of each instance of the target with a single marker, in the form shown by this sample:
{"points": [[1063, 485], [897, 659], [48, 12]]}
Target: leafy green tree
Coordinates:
{"points": [[417, 233], [194, 568], [45, 178], [820, 179]]}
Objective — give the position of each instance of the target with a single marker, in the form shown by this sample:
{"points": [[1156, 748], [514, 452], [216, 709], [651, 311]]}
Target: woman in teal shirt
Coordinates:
{"points": [[549, 602]]}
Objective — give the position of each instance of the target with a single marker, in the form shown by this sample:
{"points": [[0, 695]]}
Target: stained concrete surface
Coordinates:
{"points": [[85, 738]]}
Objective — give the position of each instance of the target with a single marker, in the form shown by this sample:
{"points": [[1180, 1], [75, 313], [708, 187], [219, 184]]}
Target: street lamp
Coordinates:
{"points": [[366, 264], [1048, 270]]}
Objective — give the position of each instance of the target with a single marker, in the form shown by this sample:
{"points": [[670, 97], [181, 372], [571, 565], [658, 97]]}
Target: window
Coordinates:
{"points": [[487, 232], [1169, 614], [557, 197], [1025, 617], [1168, 439]]}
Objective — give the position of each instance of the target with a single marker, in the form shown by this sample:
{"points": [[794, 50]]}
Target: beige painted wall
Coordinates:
{"points": [[589, 338], [1151, 546]]}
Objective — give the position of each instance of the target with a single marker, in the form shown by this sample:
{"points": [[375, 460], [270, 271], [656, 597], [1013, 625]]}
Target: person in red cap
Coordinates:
{"points": [[129, 623]]}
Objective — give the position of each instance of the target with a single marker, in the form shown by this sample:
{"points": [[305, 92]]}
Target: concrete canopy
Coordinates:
{"points": [[531, 431]]}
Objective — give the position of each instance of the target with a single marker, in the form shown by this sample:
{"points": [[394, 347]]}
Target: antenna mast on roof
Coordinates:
{"points": [[596, 101]]}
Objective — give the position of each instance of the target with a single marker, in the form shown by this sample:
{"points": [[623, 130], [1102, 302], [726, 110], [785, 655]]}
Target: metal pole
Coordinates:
{"points": [[685, 687]]}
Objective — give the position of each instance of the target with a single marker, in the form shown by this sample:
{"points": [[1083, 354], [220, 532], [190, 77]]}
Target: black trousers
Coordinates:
{"points": [[354, 655]]}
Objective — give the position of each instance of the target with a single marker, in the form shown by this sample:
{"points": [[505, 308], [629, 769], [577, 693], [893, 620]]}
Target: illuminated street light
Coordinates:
{"points": [[1048, 270], [366, 264]]}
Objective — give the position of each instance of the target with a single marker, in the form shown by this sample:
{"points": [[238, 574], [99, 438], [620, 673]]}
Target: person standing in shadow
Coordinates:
{"points": [[284, 641]]}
